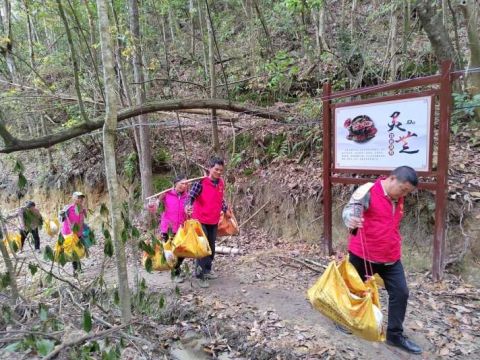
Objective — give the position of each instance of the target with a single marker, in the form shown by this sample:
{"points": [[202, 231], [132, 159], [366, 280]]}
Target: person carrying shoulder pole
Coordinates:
{"points": [[205, 204], [174, 216], [373, 216]]}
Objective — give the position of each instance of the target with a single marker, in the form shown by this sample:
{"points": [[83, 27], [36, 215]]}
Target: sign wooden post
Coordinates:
{"points": [[376, 135]]}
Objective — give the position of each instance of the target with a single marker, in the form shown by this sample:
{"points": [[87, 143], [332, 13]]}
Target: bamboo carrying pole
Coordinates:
{"points": [[164, 191]]}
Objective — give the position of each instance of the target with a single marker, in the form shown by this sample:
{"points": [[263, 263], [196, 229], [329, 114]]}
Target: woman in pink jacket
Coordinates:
{"points": [[73, 220], [174, 216]]}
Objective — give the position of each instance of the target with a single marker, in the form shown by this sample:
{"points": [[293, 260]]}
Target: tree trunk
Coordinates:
{"points": [[393, 45], [171, 24], [6, 13], [213, 87], [264, 26], [191, 10], [319, 19], [109, 136], [30, 34], [73, 53], [49, 150], [91, 25], [353, 19], [444, 12], [201, 21], [145, 158], [470, 13], [437, 34], [90, 49]]}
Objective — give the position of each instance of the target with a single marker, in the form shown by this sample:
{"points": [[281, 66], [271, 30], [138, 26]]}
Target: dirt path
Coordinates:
{"points": [[258, 306]]}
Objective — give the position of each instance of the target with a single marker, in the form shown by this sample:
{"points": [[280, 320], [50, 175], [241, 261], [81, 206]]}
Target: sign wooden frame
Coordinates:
{"points": [[441, 91]]}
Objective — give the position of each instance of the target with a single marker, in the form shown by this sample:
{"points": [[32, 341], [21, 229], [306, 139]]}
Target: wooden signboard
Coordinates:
{"points": [[375, 135]]}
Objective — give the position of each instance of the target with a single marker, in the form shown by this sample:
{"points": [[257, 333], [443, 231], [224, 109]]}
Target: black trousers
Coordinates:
{"points": [[396, 285], [36, 237], [204, 265], [176, 269]]}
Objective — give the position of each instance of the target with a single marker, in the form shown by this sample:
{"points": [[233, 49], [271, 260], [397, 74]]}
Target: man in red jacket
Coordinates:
{"points": [[205, 203], [373, 216]]}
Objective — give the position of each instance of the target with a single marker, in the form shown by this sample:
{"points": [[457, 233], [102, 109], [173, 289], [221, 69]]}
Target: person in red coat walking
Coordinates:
{"points": [[205, 204], [373, 217]]}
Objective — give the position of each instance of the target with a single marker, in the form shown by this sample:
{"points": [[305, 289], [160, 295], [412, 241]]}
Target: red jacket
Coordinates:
{"points": [[208, 205], [381, 241]]}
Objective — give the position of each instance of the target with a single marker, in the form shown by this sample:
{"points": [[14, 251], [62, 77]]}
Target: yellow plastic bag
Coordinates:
{"points": [[13, 241], [51, 227], [190, 241], [164, 258], [341, 295], [71, 244]]}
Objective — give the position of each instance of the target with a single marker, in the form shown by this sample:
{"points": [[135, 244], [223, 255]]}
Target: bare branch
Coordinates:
{"points": [[169, 105]]}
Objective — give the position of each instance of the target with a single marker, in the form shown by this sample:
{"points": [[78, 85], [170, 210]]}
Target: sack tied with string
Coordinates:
{"points": [[342, 296], [52, 226], [190, 241]]}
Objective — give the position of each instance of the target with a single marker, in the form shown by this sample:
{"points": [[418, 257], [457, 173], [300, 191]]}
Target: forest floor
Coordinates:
{"points": [[258, 309]]}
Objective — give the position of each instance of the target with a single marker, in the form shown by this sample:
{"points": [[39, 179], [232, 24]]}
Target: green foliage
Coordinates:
{"points": [[149, 265], [112, 354], [161, 182], [161, 158], [44, 346], [104, 210], [277, 146], [108, 244], [311, 108], [48, 253], [302, 5], [4, 280], [19, 169], [146, 248], [464, 111], [42, 312], [33, 268], [130, 166], [87, 321], [281, 72]]}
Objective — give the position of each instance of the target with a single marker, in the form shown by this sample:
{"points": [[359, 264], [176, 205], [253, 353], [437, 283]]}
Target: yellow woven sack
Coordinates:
{"points": [[71, 244], [13, 241], [164, 258], [51, 227], [341, 295], [190, 241]]}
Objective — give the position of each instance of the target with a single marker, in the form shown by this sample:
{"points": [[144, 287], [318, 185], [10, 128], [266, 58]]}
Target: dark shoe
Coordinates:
{"points": [[343, 329], [211, 275], [203, 283], [402, 342]]}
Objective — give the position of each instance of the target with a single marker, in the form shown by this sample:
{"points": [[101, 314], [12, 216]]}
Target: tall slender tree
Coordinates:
{"points": [[109, 137], [145, 156]]}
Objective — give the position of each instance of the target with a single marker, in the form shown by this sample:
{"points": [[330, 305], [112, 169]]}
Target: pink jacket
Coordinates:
{"points": [[72, 217], [381, 228], [174, 214]]}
